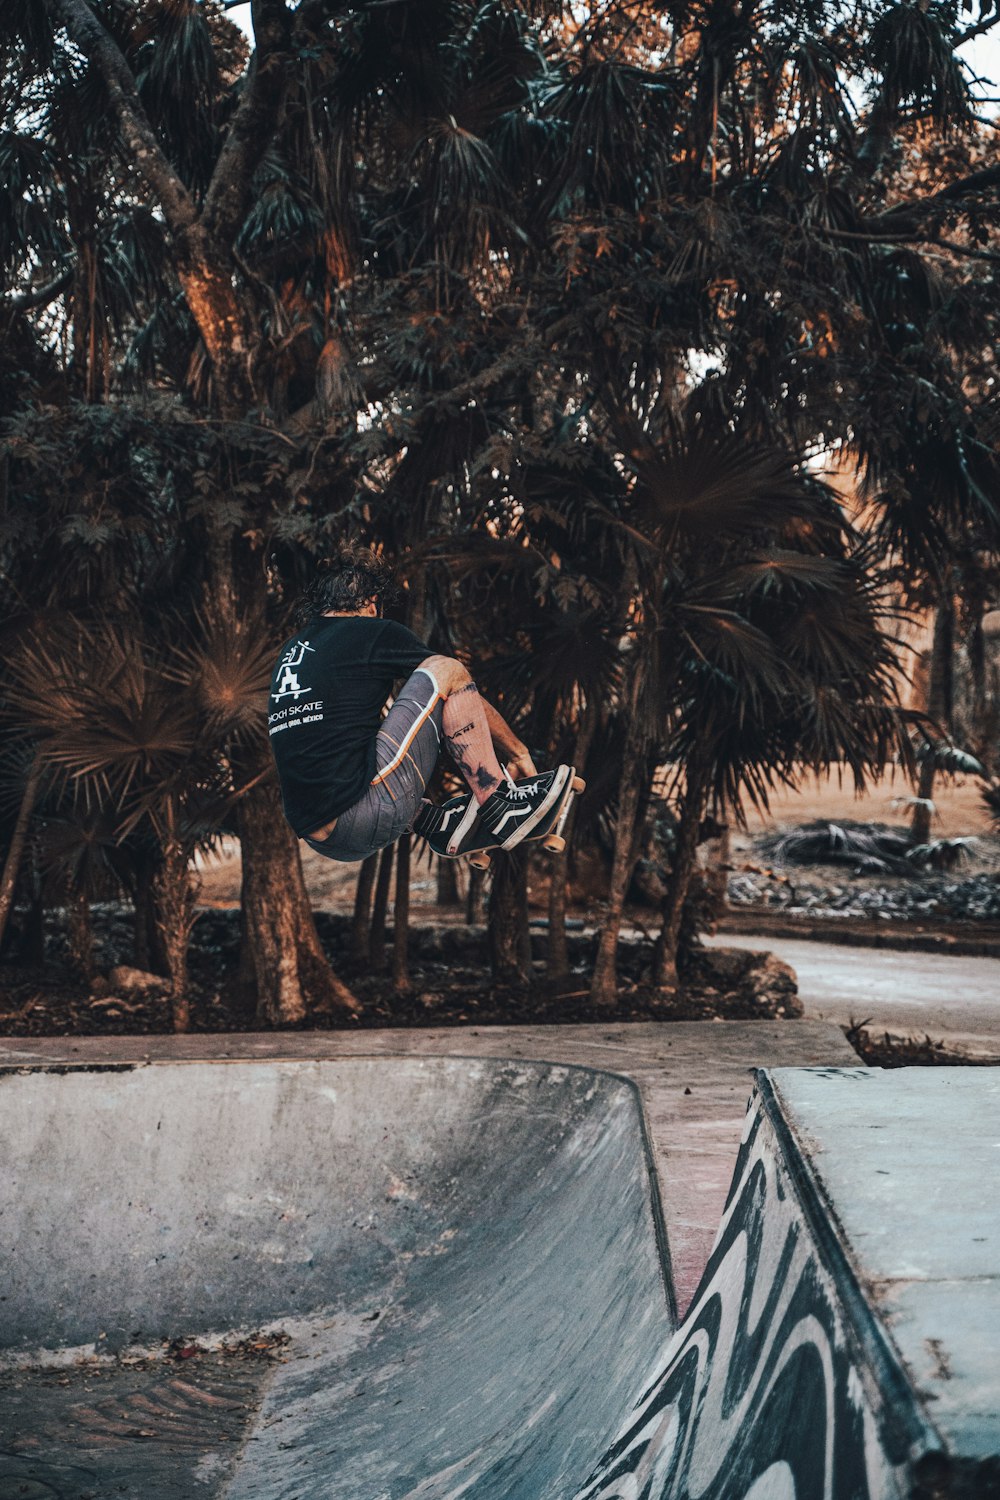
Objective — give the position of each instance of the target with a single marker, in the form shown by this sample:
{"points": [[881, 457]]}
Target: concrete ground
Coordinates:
{"points": [[694, 1078], [951, 999], [452, 1240]]}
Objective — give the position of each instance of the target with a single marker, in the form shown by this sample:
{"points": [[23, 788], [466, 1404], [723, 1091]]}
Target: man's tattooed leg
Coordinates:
{"points": [[467, 736]]}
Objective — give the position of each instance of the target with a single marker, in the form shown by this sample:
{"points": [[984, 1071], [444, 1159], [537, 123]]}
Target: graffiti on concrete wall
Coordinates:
{"points": [[762, 1393]]}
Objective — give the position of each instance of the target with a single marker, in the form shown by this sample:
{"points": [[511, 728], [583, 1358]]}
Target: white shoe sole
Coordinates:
{"points": [[463, 825]]}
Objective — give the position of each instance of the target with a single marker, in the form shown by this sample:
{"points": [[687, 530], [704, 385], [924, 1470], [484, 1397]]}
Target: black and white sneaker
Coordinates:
{"points": [[447, 825], [517, 807]]}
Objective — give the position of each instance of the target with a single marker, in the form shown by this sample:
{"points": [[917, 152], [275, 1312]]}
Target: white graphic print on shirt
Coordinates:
{"points": [[288, 682], [288, 686]]}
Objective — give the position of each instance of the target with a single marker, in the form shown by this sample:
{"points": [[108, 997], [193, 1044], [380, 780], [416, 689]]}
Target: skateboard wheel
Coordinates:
{"points": [[479, 861], [554, 843], [578, 785]]}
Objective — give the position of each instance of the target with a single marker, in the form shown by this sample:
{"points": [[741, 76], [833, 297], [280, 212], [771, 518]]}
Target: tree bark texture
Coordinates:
{"points": [[678, 882], [401, 919], [447, 883], [557, 954], [176, 892], [508, 933], [474, 897], [147, 943], [251, 128], [923, 808], [360, 922], [557, 948], [207, 282], [604, 983], [940, 700], [975, 646], [19, 837], [376, 940], [291, 972], [80, 935]]}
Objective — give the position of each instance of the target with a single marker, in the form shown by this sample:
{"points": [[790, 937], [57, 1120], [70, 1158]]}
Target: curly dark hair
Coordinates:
{"points": [[346, 581]]}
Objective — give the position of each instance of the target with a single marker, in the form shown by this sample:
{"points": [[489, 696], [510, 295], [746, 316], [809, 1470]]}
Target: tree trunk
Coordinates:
{"points": [[940, 698], [474, 896], [604, 984], [401, 919], [975, 645], [678, 881], [147, 944], [508, 933], [557, 952], [362, 909], [206, 279], [246, 972], [15, 853], [176, 893], [291, 973], [447, 883], [557, 948], [376, 941], [717, 877], [80, 934], [923, 807]]}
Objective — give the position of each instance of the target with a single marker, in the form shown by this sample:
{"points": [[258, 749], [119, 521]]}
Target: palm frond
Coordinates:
{"points": [[728, 646], [859, 845], [104, 720], [944, 854], [951, 759], [177, 73], [912, 49], [223, 671], [712, 483]]}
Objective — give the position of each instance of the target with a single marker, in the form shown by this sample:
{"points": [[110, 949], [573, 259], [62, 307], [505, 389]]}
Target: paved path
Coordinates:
{"points": [[955, 1000]]}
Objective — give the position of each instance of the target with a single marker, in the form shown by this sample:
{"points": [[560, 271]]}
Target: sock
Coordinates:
{"points": [[467, 736]]}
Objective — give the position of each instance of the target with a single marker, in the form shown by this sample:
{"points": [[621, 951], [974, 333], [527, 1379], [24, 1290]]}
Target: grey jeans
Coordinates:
{"points": [[407, 747]]}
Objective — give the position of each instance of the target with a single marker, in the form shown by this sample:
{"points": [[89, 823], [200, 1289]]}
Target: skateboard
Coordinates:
{"points": [[549, 832]]}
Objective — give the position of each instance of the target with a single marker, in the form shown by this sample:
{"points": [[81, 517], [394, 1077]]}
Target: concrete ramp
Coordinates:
{"points": [[844, 1343], [444, 1279], [357, 1279]]}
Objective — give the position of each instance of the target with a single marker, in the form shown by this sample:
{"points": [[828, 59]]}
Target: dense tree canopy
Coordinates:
{"points": [[569, 308]]}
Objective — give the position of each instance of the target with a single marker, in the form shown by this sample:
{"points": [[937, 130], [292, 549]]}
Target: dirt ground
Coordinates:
{"points": [[958, 803]]}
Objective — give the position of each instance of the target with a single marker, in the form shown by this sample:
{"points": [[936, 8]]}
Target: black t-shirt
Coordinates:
{"points": [[327, 695]]}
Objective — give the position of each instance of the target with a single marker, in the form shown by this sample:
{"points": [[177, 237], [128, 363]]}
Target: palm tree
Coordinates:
{"points": [[26, 801], [375, 276], [151, 734], [757, 647], [933, 475]]}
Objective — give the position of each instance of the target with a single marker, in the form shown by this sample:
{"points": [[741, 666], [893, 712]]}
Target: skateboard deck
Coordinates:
{"points": [[549, 832]]}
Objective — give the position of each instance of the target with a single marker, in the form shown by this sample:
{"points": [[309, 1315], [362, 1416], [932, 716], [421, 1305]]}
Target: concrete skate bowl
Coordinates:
{"points": [[444, 1279], [463, 1256]]}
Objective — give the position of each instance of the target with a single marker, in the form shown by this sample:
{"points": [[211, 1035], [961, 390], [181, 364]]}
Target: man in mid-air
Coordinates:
{"points": [[353, 781]]}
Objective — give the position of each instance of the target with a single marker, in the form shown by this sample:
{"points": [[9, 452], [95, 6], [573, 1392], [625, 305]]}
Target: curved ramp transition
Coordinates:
{"points": [[443, 1279], [463, 1255]]}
